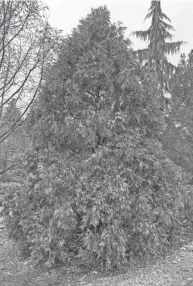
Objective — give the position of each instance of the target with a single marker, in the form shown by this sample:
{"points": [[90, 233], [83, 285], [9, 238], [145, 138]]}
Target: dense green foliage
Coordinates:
{"points": [[97, 183], [101, 186], [177, 137]]}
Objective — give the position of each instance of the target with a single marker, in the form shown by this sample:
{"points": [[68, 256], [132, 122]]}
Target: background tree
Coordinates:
{"points": [[155, 55], [178, 136], [27, 43]]}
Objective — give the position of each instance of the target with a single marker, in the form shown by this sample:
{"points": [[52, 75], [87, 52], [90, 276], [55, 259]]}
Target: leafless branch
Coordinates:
{"points": [[26, 45], [8, 168]]}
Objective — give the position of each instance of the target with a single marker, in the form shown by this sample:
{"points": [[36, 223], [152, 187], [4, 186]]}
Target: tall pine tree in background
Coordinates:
{"points": [[154, 57]]}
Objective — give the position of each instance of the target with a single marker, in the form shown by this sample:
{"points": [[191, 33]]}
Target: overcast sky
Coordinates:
{"points": [[66, 14]]}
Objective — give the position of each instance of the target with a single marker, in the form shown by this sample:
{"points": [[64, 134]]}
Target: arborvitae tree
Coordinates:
{"points": [[158, 34], [101, 185]]}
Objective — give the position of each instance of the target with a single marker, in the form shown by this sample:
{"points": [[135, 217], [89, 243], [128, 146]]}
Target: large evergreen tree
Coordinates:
{"points": [[98, 182], [158, 34]]}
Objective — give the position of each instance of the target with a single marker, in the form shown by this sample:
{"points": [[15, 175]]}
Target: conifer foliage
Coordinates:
{"points": [[98, 184], [178, 137], [159, 37]]}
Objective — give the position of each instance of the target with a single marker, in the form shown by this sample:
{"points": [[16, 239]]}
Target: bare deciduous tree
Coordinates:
{"points": [[27, 44]]}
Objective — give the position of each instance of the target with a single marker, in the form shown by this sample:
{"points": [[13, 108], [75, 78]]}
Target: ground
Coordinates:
{"points": [[174, 270]]}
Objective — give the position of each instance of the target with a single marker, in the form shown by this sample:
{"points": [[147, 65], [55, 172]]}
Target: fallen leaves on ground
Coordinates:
{"points": [[176, 269]]}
